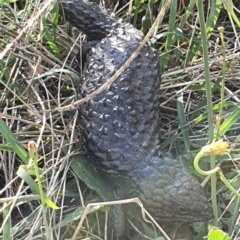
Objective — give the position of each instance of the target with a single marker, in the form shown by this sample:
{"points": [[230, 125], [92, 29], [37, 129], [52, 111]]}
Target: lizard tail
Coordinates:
{"points": [[95, 21]]}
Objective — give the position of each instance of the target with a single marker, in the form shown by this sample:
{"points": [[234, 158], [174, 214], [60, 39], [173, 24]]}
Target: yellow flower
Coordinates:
{"points": [[215, 148]]}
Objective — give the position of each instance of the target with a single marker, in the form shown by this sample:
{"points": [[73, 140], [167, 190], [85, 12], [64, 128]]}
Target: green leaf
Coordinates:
{"points": [[20, 199], [171, 38], [228, 196], [146, 22], [92, 177], [215, 109], [7, 225], [30, 170], [6, 148], [49, 36], [55, 16], [217, 234], [230, 121], [170, 140], [5, 2], [228, 4], [4, 68], [215, 9], [75, 215], [183, 122], [27, 178], [15, 144]]}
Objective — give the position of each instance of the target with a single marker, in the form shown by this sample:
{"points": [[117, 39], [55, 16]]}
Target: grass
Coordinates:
{"points": [[199, 103]]}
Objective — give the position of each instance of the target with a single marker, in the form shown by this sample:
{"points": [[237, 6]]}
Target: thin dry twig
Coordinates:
{"points": [[28, 25], [126, 201]]}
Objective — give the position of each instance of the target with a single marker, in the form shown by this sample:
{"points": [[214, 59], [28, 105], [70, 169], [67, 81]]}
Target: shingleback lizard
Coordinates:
{"points": [[120, 126]]}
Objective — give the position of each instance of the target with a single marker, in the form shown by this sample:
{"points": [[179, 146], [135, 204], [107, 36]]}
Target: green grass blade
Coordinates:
{"points": [[49, 36], [6, 148], [12, 140], [7, 225], [187, 14], [171, 25], [183, 122], [4, 2], [85, 171], [230, 8], [169, 140], [209, 102], [55, 17], [27, 178], [75, 215], [21, 199], [230, 121], [136, 8], [215, 9], [215, 109]]}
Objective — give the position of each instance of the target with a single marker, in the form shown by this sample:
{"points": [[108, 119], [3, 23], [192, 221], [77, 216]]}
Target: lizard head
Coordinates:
{"points": [[170, 193]]}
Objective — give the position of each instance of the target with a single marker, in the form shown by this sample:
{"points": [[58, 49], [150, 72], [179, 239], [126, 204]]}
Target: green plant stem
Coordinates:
{"points": [[32, 148], [213, 172], [206, 69], [221, 30], [7, 225], [209, 104], [44, 211], [198, 169], [137, 5], [230, 187]]}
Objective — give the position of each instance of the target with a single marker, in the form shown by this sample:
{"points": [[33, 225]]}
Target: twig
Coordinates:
{"points": [[28, 25]]}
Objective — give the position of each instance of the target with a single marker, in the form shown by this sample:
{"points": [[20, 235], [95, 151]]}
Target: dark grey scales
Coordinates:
{"points": [[120, 126]]}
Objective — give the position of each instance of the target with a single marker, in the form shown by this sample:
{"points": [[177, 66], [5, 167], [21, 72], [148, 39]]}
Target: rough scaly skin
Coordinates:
{"points": [[120, 126]]}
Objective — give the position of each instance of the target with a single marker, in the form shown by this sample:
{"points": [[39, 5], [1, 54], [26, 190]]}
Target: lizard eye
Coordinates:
{"points": [[182, 209]]}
